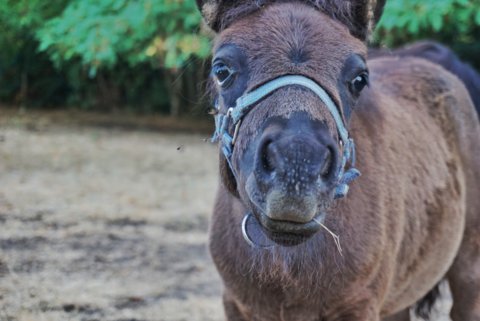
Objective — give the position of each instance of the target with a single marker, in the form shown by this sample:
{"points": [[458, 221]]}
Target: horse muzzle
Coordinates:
{"points": [[293, 179]]}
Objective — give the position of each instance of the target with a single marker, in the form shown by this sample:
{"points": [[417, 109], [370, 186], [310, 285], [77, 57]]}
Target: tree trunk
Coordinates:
{"points": [[23, 94], [108, 95], [175, 88], [190, 81]]}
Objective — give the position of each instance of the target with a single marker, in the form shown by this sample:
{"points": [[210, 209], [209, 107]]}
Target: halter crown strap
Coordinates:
{"points": [[246, 102]]}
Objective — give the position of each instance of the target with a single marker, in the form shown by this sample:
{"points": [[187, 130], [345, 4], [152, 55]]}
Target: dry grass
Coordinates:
{"points": [[105, 225]]}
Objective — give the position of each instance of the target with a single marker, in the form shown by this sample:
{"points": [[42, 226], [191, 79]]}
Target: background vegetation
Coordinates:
{"points": [[150, 55], [455, 23]]}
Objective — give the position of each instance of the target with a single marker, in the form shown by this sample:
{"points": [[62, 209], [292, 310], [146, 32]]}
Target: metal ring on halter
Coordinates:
{"points": [[244, 231], [247, 237]]}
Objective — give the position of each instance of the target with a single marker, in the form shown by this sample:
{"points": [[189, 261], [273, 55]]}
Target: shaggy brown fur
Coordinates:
{"points": [[409, 221], [439, 54]]}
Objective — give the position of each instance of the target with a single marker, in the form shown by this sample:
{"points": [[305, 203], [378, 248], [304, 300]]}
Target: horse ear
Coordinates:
{"points": [[218, 13], [211, 10], [360, 16]]}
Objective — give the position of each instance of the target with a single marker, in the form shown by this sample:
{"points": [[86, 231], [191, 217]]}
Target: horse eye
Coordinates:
{"points": [[223, 74], [359, 82]]}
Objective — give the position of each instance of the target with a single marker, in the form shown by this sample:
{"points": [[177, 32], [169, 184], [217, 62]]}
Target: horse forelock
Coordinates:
{"points": [[225, 16]]}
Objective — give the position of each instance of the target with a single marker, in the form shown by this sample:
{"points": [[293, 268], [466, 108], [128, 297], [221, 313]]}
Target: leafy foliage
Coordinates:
{"points": [[19, 60], [452, 22], [99, 53], [102, 33], [146, 55]]}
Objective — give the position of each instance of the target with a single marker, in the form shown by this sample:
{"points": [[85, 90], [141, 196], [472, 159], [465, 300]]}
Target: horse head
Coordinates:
{"points": [[285, 88]]}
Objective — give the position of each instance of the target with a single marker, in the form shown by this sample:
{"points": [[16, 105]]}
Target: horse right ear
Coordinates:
{"points": [[213, 11], [210, 12]]}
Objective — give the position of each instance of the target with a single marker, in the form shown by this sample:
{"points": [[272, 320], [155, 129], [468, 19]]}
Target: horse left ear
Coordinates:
{"points": [[361, 17]]}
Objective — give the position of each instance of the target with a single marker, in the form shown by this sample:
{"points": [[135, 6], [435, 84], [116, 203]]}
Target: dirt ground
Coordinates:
{"points": [[106, 224]]}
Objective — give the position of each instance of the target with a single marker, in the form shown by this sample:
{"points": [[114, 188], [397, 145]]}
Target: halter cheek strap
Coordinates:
{"points": [[247, 101]]}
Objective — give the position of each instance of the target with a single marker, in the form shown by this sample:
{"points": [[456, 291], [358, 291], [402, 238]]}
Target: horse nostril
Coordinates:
{"points": [[267, 153], [327, 164]]}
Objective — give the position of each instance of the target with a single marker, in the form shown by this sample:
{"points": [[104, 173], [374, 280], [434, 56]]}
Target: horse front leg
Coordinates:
{"points": [[232, 311], [364, 312], [464, 281], [400, 316]]}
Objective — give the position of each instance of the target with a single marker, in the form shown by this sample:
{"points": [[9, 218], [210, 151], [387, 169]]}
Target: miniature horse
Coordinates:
{"points": [[296, 234]]}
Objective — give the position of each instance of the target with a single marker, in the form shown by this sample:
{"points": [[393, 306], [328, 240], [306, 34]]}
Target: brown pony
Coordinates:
{"points": [[294, 95]]}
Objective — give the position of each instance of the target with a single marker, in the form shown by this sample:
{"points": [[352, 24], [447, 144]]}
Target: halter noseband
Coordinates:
{"points": [[247, 101]]}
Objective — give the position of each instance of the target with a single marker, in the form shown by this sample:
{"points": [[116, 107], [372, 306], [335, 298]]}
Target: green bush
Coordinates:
{"points": [[147, 55], [101, 54], [103, 33], [455, 23], [23, 71]]}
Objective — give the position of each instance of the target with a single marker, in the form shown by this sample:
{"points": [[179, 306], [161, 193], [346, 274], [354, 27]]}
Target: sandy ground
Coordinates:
{"points": [[106, 224]]}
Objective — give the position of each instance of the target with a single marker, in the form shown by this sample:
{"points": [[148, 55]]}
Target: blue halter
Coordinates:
{"points": [[247, 101]]}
